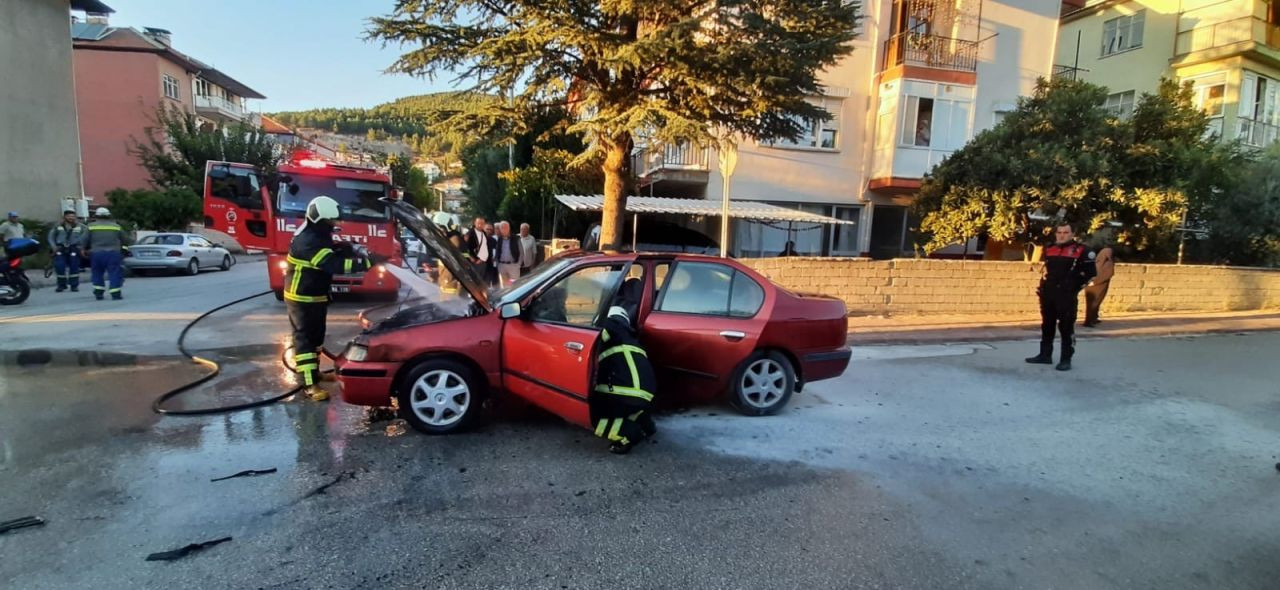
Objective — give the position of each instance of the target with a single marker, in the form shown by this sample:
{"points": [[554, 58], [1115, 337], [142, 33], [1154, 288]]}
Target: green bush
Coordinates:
{"points": [[168, 210]]}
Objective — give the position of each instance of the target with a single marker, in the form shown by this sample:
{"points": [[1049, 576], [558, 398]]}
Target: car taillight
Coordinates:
{"points": [[15, 262], [173, 253]]}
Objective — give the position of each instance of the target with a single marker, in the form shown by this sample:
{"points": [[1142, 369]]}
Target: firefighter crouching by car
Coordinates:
{"points": [[625, 381], [105, 244], [313, 260], [64, 241]]}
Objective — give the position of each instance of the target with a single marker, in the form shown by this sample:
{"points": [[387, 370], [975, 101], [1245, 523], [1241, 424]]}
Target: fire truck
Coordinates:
{"points": [[262, 213]]}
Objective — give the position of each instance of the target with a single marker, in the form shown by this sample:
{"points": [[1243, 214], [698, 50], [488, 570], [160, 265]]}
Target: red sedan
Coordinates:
{"points": [[711, 326]]}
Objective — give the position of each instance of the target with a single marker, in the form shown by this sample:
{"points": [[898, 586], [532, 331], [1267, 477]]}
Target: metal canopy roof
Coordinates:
{"points": [[740, 209]]}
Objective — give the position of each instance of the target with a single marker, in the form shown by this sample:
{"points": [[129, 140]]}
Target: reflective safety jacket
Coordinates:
{"points": [[105, 235], [623, 370], [313, 260], [63, 236]]}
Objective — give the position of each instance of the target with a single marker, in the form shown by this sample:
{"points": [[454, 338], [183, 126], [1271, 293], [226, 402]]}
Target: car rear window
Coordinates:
{"points": [[162, 240]]}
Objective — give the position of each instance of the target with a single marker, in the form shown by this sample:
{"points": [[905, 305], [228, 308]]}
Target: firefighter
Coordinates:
{"points": [[625, 381], [105, 244], [64, 242], [313, 260], [1068, 267]]}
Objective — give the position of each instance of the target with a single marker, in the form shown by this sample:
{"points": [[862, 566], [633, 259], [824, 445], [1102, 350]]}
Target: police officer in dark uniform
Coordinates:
{"points": [[625, 380], [313, 260], [1068, 266]]}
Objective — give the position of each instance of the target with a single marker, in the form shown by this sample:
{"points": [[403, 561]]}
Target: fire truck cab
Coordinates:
{"points": [[262, 214]]}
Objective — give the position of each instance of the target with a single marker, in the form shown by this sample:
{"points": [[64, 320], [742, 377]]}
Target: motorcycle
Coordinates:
{"points": [[14, 286]]}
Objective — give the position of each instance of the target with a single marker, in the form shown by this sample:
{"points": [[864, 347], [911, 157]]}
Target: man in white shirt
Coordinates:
{"points": [[481, 248], [528, 250], [508, 255]]}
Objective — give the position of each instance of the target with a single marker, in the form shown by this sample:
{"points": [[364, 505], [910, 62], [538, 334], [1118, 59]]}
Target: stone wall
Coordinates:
{"points": [[909, 286]]}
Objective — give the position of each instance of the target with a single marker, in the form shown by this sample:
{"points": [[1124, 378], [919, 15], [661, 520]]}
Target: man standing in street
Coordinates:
{"points": [[11, 229], [313, 260], [1068, 266], [528, 250], [64, 242], [1096, 292], [105, 243], [508, 255], [480, 247]]}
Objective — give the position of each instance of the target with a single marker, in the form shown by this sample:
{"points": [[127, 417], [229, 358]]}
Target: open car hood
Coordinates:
{"points": [[434, 238]]}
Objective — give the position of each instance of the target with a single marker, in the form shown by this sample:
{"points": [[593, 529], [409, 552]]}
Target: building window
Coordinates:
{"points": [[1123, 33], [818, 134], [1120, 104], [171, 88], [1209, 95], [203, 87], [844, 238], [1258, 110], [935, 123]]}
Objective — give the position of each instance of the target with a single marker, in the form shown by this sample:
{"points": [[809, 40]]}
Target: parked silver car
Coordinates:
{"points": [[186, 253]]}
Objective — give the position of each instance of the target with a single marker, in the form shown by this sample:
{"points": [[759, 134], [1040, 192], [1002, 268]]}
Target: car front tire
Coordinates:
{"points": [[440, 396], [226, 263], [763, 385]]}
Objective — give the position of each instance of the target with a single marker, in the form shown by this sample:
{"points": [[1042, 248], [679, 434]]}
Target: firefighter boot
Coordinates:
{"points": [[316, 393]]}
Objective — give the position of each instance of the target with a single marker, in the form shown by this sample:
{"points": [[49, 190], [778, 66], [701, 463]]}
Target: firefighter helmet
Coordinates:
{"points": [[322, 208], [102, 212]]}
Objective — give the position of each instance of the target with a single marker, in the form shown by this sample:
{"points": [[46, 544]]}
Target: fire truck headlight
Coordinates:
{"points": [[283, 265]]}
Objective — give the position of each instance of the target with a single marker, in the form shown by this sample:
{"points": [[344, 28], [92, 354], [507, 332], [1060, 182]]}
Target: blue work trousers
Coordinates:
{"points": [[106, 265]]}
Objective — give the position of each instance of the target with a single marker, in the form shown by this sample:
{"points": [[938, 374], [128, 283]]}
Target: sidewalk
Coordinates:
{"points": [[920, 329]]}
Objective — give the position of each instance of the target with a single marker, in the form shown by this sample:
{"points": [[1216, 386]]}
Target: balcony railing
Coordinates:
{"points": [[931, 51], [1068, 73], [1258, 134], [1227, 33], [671, 157], [227, 107]]}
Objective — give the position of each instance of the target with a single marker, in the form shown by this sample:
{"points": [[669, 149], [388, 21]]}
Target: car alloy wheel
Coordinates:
{"points": [[226, 262], [193, 267], [764, 385], [440, 398]]}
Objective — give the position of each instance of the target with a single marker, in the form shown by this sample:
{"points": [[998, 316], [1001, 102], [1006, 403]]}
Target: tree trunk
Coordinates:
{"points": [[616, 168]]}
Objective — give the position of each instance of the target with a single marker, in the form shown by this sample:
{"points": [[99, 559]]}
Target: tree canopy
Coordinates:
{"points": [[1063, 156], [175, 149], [668, 70]]}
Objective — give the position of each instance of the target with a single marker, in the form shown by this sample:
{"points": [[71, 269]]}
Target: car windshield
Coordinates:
{"points": [[357, 199], [162, 239], [517, 290]]}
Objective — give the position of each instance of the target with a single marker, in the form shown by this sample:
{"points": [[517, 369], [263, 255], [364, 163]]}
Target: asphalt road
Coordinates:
{"points": [[1150, 466]]}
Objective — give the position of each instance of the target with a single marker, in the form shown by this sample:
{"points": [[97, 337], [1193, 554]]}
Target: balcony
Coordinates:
{"points": [[220, 108], [1257, 134], [931, 51], [683, 167], [1246, 35], [1068, 73]]}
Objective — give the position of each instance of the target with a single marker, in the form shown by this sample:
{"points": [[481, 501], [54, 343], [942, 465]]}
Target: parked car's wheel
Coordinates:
{"points": [[439, 396], [763, 385], [193, 267], [226, 262]]}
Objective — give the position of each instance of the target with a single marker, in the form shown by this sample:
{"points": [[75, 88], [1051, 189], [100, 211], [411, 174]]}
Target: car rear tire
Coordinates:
{"points": [[763, 385], [440, 396], [193, 267], [226, 263]]}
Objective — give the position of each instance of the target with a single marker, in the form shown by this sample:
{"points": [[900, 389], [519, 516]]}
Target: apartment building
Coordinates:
{"points": [[39, 143], [1228, 49], [925, 76], [122, 76]]}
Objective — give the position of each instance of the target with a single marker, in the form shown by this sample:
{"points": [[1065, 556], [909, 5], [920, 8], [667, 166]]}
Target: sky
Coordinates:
{"points": [[301, 54]]}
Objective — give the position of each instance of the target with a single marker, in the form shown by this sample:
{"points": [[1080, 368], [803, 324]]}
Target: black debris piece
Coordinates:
{"points": [[247, 473], [185, 551], [336, 481], [20, 523]]}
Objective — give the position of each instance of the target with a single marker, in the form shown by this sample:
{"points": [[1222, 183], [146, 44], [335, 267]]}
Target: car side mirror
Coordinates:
{"points": [[510, 310]]}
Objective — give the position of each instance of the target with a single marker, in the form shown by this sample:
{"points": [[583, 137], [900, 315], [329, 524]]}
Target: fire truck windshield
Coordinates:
{"points": [[357, 199]]}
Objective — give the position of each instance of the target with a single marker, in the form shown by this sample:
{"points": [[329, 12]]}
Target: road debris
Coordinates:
{"points": [[185, 551], [322, 489], [247, 473], [20, 523]]}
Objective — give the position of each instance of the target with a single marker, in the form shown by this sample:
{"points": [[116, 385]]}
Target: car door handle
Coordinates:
{"points": [[574, 346], [733, 334]]}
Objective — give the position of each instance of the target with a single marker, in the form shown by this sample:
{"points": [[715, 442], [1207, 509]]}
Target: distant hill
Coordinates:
{"points": [[403, 117]]}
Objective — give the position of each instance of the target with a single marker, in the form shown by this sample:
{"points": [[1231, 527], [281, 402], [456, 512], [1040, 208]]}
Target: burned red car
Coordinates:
{"points": [[712, 327]]}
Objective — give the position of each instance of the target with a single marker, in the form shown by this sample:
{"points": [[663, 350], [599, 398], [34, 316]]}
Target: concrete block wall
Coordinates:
{"points": [[910, 286]]}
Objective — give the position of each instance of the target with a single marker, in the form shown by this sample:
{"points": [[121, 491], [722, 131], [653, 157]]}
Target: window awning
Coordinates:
{"points": [[740, 209]]}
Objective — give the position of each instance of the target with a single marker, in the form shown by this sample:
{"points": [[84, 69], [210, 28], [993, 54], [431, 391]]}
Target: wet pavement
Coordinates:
{"points": [[1150, 466]]}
